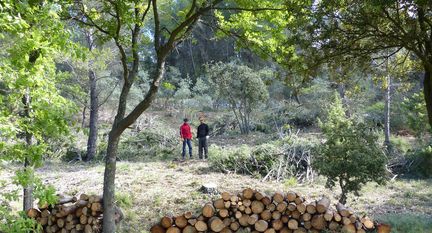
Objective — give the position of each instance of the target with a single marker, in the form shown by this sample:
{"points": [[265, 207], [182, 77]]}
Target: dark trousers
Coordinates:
{"points": [[202, 146], [189, 144]]}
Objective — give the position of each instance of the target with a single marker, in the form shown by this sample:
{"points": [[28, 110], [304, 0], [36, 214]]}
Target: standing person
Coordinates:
{"points": [[186, 135], [202, 135]]}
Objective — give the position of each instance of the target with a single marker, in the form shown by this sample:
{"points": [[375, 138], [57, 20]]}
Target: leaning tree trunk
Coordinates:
{"points": [[110, 162], [120, 124], [427, 91]]}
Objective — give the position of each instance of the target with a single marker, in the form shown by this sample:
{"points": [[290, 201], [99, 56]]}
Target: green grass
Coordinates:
{"points": [[124, 200], [405, 223]]}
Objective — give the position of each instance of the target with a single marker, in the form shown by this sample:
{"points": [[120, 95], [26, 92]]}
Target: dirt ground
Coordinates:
{"points": [[148, 190]]}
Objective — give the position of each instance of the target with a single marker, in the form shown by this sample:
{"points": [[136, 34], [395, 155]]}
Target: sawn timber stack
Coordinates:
{"points": [[253, 211]]}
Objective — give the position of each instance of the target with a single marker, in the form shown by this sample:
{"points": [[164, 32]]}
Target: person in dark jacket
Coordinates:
{"points": [[186, 136], [202, 135]]}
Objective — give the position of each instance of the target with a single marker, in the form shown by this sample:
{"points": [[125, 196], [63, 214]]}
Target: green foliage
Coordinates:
{"points": [[350, 156], [415, 111], [422, 162], [16, 224], [406, 223], [241, 87], [12, 222], [124, 200], [31, 107], [269, 33], [401, 144], [290, 182]]}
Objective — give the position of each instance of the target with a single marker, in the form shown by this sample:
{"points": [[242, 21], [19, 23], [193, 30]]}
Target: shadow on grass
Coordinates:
{"points": [[412, 195], [407, 223]]}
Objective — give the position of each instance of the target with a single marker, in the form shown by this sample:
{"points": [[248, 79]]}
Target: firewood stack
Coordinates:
{"points": [[252, 211], [71, 214]]}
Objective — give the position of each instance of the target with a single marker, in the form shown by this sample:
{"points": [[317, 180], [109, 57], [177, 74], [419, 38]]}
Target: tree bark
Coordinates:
{"points": [[427, 91], [83, 116], [109, 184], [343, 197]]}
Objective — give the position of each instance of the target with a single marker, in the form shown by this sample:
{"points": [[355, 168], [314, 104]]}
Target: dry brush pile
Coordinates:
{"points": [[70, 214], [252, 211]]}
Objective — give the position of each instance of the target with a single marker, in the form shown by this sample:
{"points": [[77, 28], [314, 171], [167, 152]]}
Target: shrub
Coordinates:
{"points": [[149, 144], [280, 160], [421, 162], [350, 156], [416, 114]]}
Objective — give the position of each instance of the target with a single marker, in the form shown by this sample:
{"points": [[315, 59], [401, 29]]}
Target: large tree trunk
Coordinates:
{"points": [[387, 115], [94, 108], [427, 91], [110, 163], [109, 184]]}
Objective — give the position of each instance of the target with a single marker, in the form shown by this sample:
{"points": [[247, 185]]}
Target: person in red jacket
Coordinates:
{"points": [[186, 135]]}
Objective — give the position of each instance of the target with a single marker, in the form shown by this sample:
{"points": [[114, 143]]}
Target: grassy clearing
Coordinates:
{"points": [[148, 190]]}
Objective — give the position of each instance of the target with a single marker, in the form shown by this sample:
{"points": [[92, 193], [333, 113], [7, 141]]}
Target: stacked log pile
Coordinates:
{"points": [[252, 211], [70, 215]]}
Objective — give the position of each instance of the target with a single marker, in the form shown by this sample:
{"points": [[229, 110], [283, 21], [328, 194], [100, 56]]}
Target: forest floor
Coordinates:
{"points": [[148, 190]]}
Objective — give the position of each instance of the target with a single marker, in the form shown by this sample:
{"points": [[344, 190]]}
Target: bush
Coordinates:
{"points": [[400, 144], [350, 156], [282, 160], [416, 114], [149, 144], [421, 162]]}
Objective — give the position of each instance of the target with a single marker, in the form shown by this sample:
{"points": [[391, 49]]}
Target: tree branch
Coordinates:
{"points": [[156, 26], [249, 9]]}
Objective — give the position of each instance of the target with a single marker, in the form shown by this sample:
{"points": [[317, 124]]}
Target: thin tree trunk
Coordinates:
{"points": [[296, 96], [94, 108], [83, 118], [28, 190], [343, 197], [191, 54], [387, 115], [237, 118], [427, 91]]}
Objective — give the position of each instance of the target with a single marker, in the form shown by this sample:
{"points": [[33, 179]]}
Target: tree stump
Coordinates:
{"points": [[209, 188]]}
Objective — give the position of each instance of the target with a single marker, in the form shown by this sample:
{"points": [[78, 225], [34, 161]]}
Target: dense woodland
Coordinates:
{"points": [[331, 94]]}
